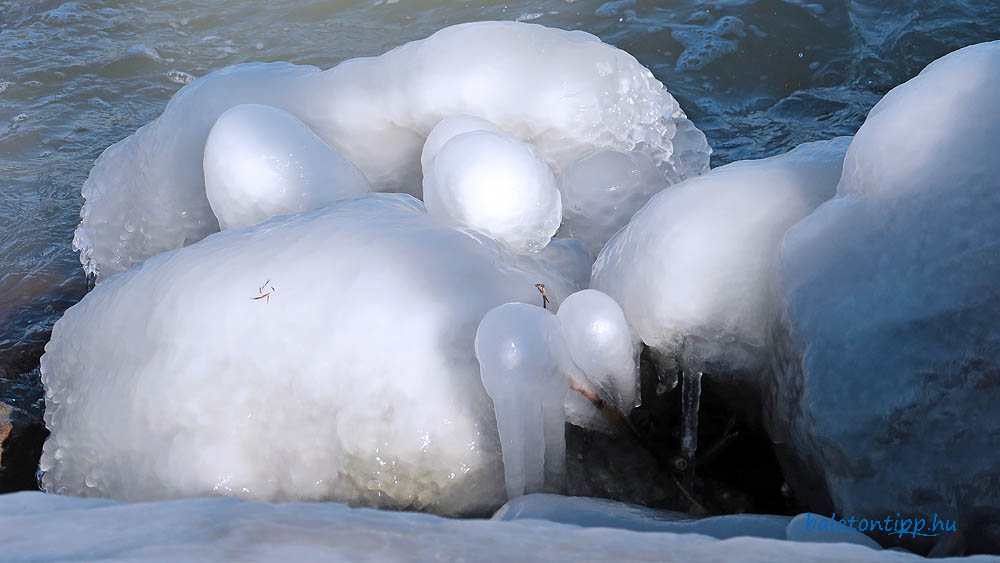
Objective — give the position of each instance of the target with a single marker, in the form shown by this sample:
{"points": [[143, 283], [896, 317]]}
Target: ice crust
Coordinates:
{"points": [[261, 161], [146, 193], [495, 184], [693, 269], [888, 348], [601, 513], [228, 529], [323, 355], [522, 358], [604, 190]]}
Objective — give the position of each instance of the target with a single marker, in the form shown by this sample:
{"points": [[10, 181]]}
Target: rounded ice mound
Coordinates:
{"points": [[146, 193], [324, 355], [603, 190], [693, 268], [889, 308], [496, 185], [601, 344], [521, 355], [565, 92], [261, 161], [446, 130]]}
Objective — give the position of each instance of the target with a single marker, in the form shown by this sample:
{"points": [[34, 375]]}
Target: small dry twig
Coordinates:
{"points": [[545, 298], [260, 290]]}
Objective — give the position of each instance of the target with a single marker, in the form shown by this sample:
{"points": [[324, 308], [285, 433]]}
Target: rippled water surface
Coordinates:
{"points": [[758, 77]]}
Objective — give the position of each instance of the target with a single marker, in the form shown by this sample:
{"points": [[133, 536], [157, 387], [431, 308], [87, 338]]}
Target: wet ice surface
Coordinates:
{"points": [[522, 359], [77, 77], [260, 162], [38, 527]]}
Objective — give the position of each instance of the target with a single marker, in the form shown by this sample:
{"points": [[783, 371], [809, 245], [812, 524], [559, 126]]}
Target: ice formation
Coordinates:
{"points": [[601, 513], [446, 130], [146, 193], [522, 358], [261, 161], [692, 269], [323, 355], [568, 257], [890, 306], [497, 185], [223, 529], [602, 346], [604, 190]]}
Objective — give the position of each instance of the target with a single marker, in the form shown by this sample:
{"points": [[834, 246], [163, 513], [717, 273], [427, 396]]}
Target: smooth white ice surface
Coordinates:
{"points": [[494, 184], [324, 355], [146, 194], [447, 129], [261, 161], [693, 268], [568, 257], [602, 345], [38, 527], [521, 355], [603, 190]]}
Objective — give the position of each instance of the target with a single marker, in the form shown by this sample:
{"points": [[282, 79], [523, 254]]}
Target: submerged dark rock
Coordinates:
{"points": [[21, 439]]}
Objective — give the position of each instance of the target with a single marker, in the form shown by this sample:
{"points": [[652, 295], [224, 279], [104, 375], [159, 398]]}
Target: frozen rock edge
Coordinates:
{"points": [[887, 351]]}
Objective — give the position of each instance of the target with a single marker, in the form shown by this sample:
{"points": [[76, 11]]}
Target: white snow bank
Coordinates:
{"points": [[565, 92], [261, 161], [496, 185], [692, 269], [39, 527], [324, 355]]}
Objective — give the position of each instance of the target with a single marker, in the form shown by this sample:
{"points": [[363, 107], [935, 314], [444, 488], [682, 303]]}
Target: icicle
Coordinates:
{"points": [[519, 349], [691, 400]]}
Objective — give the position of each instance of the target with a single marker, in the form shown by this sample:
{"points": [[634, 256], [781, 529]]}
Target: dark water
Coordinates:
{"points": [[759, 77]]}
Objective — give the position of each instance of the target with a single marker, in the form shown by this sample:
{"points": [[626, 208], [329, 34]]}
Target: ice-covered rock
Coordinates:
{"points": [[261, 161], [522, 355], [494, 184], [565, 92], [219, 529], [323, 355], [603, 190], [887, 352], [692, 269], [601, 344]]}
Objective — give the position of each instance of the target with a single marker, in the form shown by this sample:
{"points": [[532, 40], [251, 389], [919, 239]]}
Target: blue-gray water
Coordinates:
{"points": [[759, 77]]}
